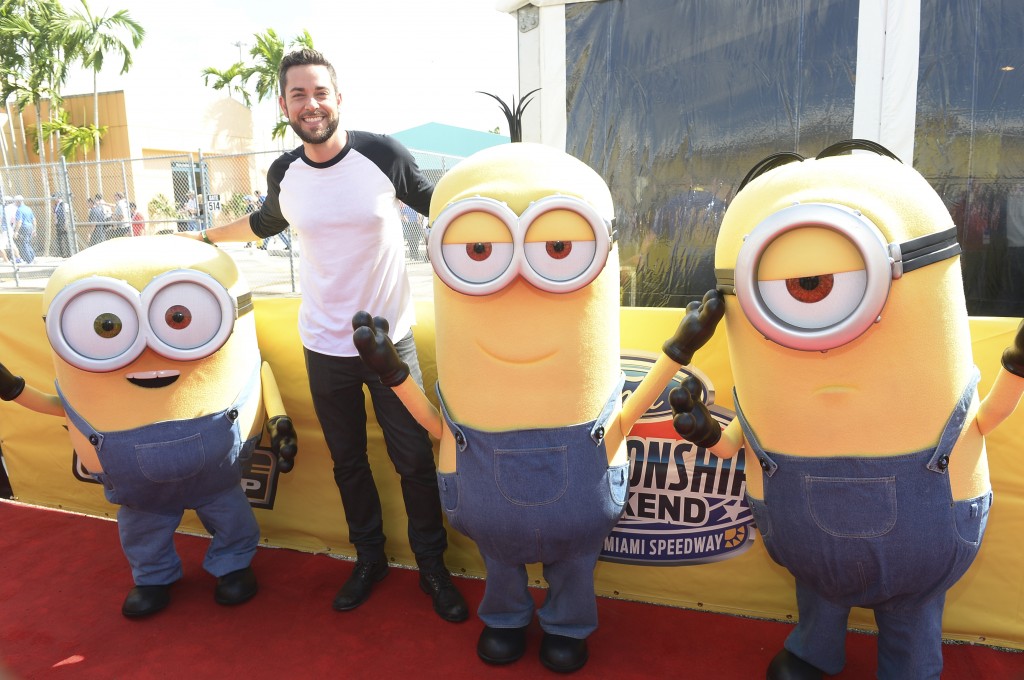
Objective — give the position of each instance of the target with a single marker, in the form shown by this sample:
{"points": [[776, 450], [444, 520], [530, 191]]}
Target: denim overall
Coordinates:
{"points": [[540, 495], [882, 533], [156, 471]]}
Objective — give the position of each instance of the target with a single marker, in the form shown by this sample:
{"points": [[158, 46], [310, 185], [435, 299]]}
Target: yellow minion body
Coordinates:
{"points": [[520, 339], [890, 390], [151, 387]]}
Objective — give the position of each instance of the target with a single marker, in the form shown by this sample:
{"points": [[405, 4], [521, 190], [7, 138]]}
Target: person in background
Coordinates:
{"points": [[341, 190], [62, 227], [12, 247], [412, 225], [138, 221], [251, 206], [7, 251], [1014, 294], [98, 216], [121, 216], [191, 209], [24, 229]]}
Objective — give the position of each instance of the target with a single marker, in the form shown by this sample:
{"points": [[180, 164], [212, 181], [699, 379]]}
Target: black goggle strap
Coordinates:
{"points": [[923, 251]]}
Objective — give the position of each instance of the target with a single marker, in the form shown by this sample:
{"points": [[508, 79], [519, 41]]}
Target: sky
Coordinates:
{"points": [[400, 63]]}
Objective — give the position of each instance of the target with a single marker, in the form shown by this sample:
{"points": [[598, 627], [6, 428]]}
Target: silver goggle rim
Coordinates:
{"points": [[883, 264], [518, 225], [140, 303]]}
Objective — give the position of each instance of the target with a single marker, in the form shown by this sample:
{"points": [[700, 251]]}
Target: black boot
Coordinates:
{"points": [[358, 586], [563, 654], [788, 666], [236, 587], [500, 646], [145, 600], [448, 601]]}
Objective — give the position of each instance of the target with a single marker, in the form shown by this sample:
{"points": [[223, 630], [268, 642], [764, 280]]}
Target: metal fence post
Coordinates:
{"points": [[69, 213]]}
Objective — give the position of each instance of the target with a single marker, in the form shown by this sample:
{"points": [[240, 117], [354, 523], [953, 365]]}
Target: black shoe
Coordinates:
{"points": [[788, 666], [448, 601], [500, 646], [236, 587], [358, 586], [146, 600], [563, 654]]}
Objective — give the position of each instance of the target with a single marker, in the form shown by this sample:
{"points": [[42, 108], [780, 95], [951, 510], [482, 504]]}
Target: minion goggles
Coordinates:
{"points": [[883, 264], [100, 324], [578, 262]]}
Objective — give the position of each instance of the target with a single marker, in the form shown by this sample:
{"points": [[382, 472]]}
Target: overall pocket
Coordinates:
{"points": [[618, 483], [532, 476], [171, 461], [849, 507]]}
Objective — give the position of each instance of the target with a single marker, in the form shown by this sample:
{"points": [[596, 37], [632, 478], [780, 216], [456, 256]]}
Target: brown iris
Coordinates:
{"points": [[558, 250], [479, 252], [810, 288], [178, 317], [107, 325]]}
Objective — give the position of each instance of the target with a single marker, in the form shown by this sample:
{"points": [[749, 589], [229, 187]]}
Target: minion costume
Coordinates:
{"points": [[155, 472], [538, 495], [856, 399], [161, 382], [533, 466]]}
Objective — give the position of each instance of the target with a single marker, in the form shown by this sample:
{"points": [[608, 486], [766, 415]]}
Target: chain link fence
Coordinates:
{"points": [[76, 205]]}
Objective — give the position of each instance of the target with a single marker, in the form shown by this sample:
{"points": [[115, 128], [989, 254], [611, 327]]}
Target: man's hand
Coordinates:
{"points": [[690, 417], [10, 385], [376, 349], [283, 442], [696, 328], [1013, 357]]}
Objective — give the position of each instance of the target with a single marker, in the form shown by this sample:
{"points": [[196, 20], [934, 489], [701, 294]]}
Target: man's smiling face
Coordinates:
{"points": [[310, 102]]}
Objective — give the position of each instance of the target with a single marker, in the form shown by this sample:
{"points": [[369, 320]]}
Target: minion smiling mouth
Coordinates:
{"points": [[518, 360], [153, 378]]}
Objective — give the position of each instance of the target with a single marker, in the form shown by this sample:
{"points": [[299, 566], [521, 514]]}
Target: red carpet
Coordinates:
{"points": [[63, 577]]}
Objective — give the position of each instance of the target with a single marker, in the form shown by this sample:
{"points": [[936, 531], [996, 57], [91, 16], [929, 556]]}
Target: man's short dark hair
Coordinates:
{"points": [[304, 57]]}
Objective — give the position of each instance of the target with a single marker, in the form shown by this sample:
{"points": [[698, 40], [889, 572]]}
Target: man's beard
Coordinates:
{"points": [[326, 132]]}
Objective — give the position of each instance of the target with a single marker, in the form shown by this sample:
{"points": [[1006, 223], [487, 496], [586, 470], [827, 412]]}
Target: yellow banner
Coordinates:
{"points": [[302, 510]]}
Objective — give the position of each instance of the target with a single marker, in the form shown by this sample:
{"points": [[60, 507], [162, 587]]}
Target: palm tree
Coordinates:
{"points": [[231, 79], [32, 68], [267, 53], [73, 139], [89, 38], [36, 69]]}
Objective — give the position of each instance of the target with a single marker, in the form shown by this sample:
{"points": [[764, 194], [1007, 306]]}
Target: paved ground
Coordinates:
{"points": [[270, 273]]}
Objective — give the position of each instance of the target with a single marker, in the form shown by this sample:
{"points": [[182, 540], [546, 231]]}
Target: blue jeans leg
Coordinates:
{"points": [[820, 636], [910, 641], [148, 542], [236, 534], [571, 605], [507, 602], [25, 247]]}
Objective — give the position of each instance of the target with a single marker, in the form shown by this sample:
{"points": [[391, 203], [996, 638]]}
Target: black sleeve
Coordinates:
{"points": [[411, 186], [268, 220]]}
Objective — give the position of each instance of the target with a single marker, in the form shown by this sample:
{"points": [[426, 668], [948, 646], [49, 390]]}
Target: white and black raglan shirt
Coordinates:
{"points": [[345, 213]]}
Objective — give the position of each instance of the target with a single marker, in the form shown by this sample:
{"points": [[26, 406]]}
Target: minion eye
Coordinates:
{"points": [[477, 247], [185, 315], [98, 325], [560, 245], [812, 302]]}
